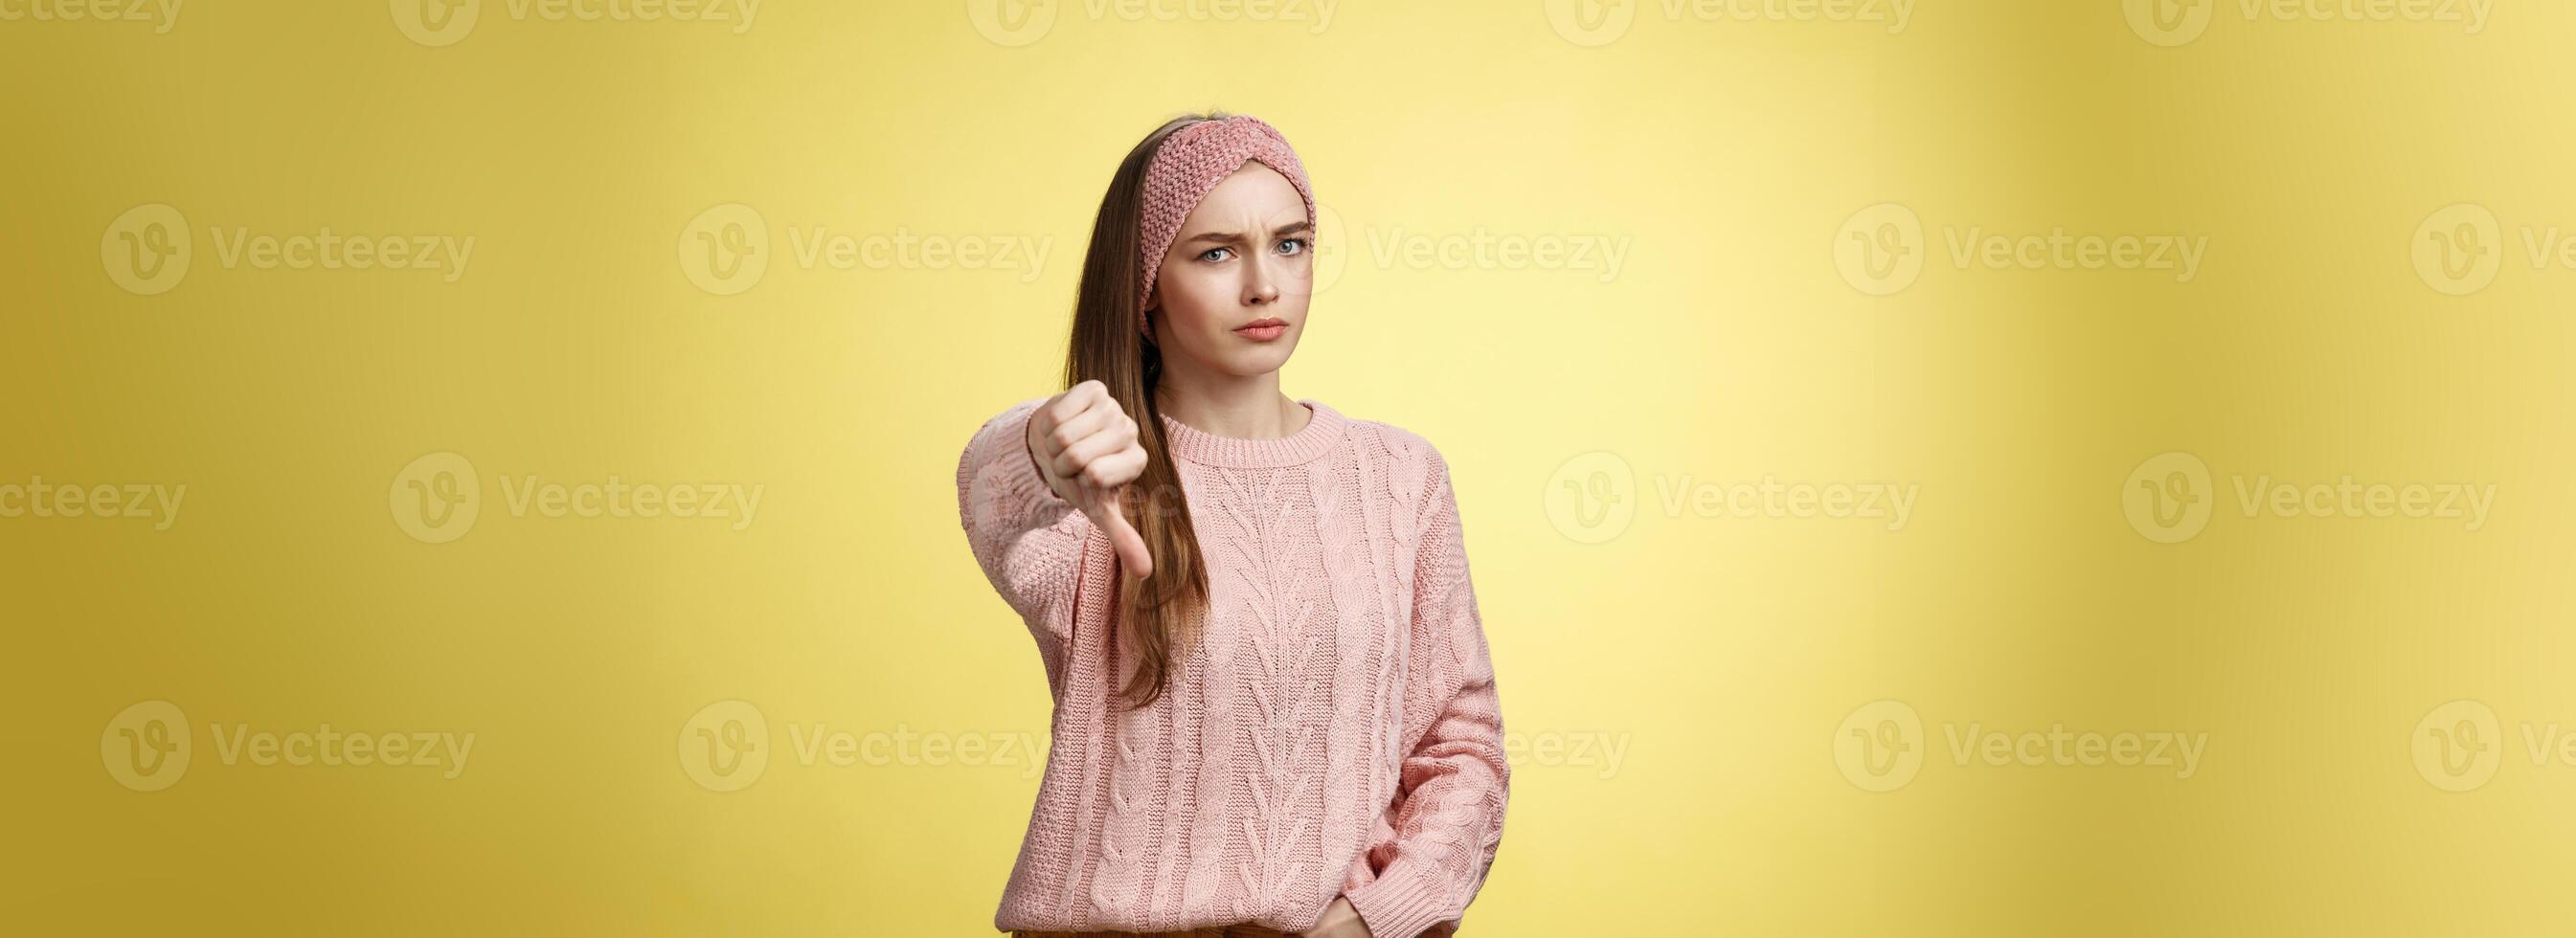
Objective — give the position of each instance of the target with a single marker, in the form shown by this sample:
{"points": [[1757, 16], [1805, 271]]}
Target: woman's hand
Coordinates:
{"points": [[1085, 446], [1340, 921]]}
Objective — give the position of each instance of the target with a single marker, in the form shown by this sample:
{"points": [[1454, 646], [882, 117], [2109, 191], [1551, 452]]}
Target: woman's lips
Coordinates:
{"points": [[1263, 330]]}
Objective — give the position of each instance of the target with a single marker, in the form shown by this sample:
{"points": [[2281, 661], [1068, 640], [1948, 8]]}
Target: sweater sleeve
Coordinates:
{"points": [[1031, 542], [1448, 812]]}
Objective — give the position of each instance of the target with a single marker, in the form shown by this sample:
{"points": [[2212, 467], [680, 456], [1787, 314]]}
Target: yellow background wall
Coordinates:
{"points": [[1688, 663]]}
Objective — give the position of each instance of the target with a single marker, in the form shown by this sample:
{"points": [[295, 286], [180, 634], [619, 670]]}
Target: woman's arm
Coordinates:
{"points": [[1448, 816], [1041, 493], [1031, 542]]}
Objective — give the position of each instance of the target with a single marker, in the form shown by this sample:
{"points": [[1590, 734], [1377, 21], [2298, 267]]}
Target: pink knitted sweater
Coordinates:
{"points": [[1334, 731]]}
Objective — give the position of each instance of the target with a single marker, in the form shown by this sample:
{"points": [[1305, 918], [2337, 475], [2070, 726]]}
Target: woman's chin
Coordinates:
{"points": [[1247, 363]]}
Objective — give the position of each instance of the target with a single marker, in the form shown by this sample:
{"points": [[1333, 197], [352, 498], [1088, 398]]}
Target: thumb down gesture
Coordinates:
{"points": [[1086, 447]]}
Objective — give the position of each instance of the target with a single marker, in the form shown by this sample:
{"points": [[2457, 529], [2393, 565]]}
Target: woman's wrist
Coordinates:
{"points": [[1341, 919], [1038, 467]]}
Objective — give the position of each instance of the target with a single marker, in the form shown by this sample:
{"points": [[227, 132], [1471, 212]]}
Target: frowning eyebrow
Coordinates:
{"points": [[1236, 237]]}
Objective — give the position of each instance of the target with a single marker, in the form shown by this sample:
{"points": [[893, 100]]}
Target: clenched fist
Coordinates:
{"points": [[1085, 446]]}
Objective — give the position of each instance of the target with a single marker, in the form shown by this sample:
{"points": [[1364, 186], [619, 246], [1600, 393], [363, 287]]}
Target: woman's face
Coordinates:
{"points": [[1244, 258]]}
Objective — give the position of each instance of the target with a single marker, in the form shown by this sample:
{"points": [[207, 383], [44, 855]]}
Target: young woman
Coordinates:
{"points": [[1274, 708]]}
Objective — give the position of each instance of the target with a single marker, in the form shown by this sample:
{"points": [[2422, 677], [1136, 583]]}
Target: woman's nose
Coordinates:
{"points": [[1262, 286]]}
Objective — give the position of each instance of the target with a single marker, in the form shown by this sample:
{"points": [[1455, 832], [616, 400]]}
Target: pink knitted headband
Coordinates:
{"points": [[1190, 163]]}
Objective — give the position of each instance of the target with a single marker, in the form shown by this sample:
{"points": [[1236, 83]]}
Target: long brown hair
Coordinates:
{"points": [[1161, 614]]}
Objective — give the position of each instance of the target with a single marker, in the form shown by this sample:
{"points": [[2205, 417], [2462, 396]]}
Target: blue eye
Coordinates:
{"points": [[1203, 255], [1298, 245]]}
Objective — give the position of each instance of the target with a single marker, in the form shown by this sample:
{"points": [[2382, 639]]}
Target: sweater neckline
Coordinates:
{"points": [[1322, 430]]}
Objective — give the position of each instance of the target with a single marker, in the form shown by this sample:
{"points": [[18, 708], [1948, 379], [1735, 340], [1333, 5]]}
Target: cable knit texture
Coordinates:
{"points": [[1333, 731]]}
